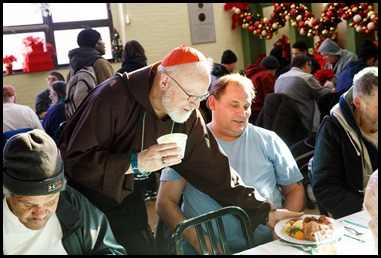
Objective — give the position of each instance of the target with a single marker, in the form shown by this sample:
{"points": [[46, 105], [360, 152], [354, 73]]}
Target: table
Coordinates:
{"points": [[348, 244]]}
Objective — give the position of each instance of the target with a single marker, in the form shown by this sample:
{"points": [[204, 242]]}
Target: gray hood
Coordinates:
{"points": [[330, 47]]}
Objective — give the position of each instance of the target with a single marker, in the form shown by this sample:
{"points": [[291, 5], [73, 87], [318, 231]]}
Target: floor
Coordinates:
{"points": [[152, 215]]}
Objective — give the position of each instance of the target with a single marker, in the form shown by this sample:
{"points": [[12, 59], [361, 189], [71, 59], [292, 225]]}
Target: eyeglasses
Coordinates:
{"points": [[200, 98], [52, 79]]}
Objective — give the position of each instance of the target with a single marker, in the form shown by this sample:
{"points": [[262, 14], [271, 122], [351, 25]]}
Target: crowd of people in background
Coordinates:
{"points": [[102, 164]]}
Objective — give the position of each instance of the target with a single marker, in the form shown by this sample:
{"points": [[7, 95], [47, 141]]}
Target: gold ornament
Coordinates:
{"points": [[371, 26], [370, 13], [359, 28]]}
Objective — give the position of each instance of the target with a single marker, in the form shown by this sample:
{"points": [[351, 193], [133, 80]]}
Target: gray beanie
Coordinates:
{"points": [[330, 47], [270, 63], [88, 37], [32, 165]]}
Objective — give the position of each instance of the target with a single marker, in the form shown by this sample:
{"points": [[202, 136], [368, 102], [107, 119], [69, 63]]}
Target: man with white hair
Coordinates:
{"points": [[109, 145], [346, 150]]}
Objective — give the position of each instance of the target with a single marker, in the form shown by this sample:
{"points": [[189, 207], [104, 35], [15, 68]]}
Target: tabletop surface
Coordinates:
{"points": [[349, 244]]}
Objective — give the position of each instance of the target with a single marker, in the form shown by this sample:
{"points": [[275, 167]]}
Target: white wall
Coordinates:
{"points": [[162, 27]]}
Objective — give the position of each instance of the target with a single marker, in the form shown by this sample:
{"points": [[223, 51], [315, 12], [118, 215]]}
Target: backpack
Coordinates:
{"points": [[78, 87]]}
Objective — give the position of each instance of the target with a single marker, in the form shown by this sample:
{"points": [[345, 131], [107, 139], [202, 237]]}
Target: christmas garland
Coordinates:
{"points": [[360, 16]]}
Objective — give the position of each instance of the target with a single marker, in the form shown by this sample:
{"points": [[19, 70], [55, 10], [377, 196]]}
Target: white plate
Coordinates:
{"points": [[338, 230]]}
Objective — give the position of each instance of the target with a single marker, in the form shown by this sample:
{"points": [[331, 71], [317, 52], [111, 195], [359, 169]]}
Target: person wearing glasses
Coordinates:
{"points": [[43, 101], [304, 89], [109, 146]]}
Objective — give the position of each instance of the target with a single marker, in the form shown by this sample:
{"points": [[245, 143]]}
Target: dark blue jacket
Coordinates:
{"points": [[337, 170], [53, 118], [345, 79]]}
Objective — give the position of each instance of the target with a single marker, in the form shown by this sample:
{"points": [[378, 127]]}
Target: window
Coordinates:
{"points": [[60, 29]]}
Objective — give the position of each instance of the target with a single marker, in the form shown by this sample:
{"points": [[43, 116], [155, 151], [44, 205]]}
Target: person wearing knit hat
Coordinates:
{"points": [[282, 56], [336, 58], [89, 53], [109, 146], [88, 37], [42, 101], [38, 206], [228, 57], [16, 116], [263, 78], [270, 63], [228, 64], [367, 56]]}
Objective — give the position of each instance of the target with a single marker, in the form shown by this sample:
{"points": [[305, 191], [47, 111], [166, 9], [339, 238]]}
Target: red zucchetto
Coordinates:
{"points": [[183, 55]]}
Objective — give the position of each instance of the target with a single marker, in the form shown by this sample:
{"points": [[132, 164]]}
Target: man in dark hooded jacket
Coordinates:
{"points": [[90, 52]]}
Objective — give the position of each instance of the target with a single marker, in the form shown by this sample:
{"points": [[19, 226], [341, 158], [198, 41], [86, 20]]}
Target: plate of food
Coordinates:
{"points": [[301, 230]]}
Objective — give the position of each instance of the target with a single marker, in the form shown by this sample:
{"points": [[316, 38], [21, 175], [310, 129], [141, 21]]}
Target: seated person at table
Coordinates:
{"points": [[17, 116], [367, 56], [336, 58], [41, 215], [304, 89], [346, 149], [55, 115], [43, 102], [261, 158]]}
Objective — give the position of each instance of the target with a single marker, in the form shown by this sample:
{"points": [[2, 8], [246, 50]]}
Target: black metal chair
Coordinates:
{"points": [[215, 229]]}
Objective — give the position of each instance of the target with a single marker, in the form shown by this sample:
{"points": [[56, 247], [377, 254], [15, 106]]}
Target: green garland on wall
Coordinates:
{"points": [[361, 17]]}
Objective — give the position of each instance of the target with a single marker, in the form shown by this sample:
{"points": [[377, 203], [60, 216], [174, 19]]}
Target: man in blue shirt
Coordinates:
{"points": [[260, 157]]}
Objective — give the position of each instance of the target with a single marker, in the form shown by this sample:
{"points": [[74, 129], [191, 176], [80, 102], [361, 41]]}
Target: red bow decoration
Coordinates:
{"points": [[236, 16], [32, 43], [283, 41]]}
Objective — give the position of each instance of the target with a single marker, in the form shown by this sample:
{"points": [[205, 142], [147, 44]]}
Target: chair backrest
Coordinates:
{"points": [[215, 229], [281, 115], [8, 134]]}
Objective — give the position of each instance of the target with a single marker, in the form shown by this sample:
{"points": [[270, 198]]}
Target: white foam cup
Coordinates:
{"points": [[179, 138]]}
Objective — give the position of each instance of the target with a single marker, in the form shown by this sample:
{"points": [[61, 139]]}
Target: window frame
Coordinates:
{"points": [[49, 27]]}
